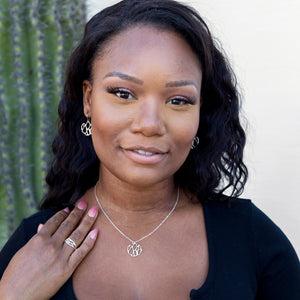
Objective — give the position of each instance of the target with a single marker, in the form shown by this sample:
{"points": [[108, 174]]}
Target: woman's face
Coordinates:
{"points": [[144, 104]]}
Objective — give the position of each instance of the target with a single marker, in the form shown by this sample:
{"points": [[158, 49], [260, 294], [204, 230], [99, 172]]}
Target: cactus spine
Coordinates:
{"points": [[36, 38]]}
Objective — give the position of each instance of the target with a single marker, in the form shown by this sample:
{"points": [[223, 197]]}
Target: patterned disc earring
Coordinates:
{"points": [[195, 142], [86, 128]]}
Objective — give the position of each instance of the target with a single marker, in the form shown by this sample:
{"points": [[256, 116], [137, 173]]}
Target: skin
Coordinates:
{"points": [[45, 263], [156, 117], [144, 105]]}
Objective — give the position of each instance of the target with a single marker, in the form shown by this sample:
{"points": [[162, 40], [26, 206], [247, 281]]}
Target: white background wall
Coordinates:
{"points": [[262, 40]]}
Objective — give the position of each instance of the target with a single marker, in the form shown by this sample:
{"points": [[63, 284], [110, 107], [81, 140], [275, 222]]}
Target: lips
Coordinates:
{"points": [[144, 155]]}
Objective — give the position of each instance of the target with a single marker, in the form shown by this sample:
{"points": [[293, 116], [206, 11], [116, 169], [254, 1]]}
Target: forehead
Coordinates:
{"points": [[144, 46]]}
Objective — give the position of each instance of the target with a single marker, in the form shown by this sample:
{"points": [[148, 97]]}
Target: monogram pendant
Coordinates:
{"points": [[134, 249]]}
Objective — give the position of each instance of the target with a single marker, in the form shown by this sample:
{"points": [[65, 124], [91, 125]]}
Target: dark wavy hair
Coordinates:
{"points": [[214, 166]]}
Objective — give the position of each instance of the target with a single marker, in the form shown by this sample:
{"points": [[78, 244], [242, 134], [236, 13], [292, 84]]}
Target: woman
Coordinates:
{"points": [[149, 140]]}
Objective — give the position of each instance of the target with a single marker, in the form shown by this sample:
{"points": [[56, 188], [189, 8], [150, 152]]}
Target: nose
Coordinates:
{"points": [[148, 118]]}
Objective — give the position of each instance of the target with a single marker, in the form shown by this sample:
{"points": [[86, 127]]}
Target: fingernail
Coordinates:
{"points": [[67, 210], [39, 227], [93, 211], [82, 204], [93, 234]]}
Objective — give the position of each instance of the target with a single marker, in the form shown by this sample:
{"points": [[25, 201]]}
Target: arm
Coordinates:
{"points": [[44, 264]]}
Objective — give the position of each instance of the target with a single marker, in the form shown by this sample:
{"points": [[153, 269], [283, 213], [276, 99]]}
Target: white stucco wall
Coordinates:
{"points": [[262, 41]]}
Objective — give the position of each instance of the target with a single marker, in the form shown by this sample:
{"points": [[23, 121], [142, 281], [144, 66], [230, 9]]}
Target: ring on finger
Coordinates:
{"points": [[71, 243]]}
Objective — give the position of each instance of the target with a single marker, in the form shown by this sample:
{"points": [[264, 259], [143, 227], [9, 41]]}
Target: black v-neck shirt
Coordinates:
{"points": [[249, 256]]}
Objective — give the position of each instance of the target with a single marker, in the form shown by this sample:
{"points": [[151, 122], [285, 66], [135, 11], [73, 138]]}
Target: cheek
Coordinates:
{"points": [[185, 129], [108, 123], [101, 126], [104, 129]]}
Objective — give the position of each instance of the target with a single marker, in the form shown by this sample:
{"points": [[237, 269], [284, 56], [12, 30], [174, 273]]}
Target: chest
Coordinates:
{"points": [[172, 263]]}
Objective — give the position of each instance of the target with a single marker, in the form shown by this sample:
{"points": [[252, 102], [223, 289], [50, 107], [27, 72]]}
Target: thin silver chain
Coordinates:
{"points": [[129, 239]]}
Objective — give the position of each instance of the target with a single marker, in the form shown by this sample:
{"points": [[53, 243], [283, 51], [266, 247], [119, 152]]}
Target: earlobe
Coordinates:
{"points": [[87, 92]]}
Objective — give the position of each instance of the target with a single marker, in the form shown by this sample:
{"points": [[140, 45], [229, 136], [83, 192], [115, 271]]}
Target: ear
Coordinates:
{"points": [[87, 97]]}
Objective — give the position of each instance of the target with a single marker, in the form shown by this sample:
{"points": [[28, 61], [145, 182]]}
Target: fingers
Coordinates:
{"points": [[64, 224], [79, 234], [70, 223], [86, 246], [70, 234], [46, 262], [53, 223]]}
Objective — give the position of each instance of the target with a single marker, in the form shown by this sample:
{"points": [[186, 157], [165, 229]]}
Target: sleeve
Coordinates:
{"points": [[21, 236], [278, 267]]}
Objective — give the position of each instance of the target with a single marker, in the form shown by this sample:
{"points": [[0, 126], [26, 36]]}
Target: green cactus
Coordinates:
{"points": [[36, 38]]}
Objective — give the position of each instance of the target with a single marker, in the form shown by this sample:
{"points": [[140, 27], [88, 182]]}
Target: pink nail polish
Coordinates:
{"points": [[82, 204], [67, 210], [93, 234], [93, 211], [39, 227]]}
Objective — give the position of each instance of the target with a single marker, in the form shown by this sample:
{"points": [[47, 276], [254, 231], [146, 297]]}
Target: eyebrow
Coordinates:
{"points": [[181, 83], [124, 77]]}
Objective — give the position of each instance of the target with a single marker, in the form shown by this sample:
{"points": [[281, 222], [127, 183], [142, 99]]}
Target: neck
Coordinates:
{"points": [[121, 197], [126, 205]]}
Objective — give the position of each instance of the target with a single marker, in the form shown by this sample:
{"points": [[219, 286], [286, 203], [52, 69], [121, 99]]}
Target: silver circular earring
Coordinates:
{"points": [[195, 142], [86, 128]]}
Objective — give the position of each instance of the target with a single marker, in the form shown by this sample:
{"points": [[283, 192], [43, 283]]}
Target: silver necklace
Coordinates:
{"points": [[134, 249]]}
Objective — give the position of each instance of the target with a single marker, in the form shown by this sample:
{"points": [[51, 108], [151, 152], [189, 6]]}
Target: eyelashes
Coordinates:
{"points": [[120, 92], [181, 101], [125, 94]]}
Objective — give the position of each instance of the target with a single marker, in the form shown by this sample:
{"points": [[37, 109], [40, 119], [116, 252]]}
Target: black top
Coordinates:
{"points": [[249, 256]]}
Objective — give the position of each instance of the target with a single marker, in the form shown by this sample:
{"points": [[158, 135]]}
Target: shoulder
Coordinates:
{"points": [[244, 217], [230, 212], [37, 218], [28, 226], [265, 232], [241, 230], [239, 210]]}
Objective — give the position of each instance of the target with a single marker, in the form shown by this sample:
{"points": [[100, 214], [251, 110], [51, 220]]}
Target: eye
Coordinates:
{"points": [[180, 101], [124, 94], [121, 93]]}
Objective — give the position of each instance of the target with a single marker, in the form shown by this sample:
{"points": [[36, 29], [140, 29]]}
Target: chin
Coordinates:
{"points": [[143, 180]]}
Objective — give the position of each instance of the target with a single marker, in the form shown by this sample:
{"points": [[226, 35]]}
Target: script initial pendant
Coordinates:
{"points": [[134, 249]]}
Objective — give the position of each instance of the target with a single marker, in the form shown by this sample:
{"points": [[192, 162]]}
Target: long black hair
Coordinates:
{"points": [[211, 168]]}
